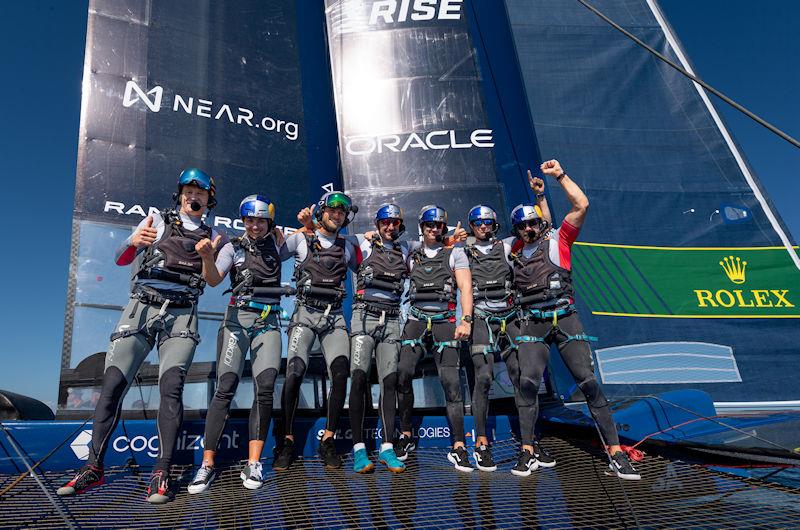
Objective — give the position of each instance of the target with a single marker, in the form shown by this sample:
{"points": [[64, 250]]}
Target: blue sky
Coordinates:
{"points": [[746, 49]]}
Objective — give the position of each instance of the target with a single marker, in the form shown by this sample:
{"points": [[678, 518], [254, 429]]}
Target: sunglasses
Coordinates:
{"points": [[390, 222], [431, 225], [483, 222], [530, 224]]}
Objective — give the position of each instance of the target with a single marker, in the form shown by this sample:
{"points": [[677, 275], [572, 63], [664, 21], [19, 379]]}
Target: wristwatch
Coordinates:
{"points": [[467, 319]]}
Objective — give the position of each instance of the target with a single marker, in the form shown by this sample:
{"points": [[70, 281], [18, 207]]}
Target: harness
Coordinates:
{"points": [[320, 276], [491, 274], [427, 338], [431, 278], [495, 318], [263, 310], [158, 323], [182, 263], [537, 279], [261, 267], [551, 314], [384, 269]]}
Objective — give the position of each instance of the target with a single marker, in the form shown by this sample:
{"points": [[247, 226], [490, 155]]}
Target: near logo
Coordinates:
{"points": [[129, 99]]}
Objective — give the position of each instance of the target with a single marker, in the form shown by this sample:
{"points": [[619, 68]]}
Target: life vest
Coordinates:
{"points": [[261, 267], [491, 274], [321, 275], [432, 278], [176, 248], [384, 269], [538, 280]]}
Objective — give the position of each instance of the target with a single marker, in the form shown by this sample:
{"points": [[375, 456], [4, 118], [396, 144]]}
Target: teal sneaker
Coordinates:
{"points": [[361, 462], [389, 457]]}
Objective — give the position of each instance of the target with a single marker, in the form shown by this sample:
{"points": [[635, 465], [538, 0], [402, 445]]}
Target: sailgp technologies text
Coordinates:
{"points": [[205, 108], [435, 140], [377, 433]]}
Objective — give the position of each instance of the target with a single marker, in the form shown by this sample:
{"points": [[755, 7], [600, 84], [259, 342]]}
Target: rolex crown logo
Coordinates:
{"points": [[734, 268]]}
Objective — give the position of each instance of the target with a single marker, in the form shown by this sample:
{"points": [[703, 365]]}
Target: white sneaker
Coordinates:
{"points": [[252, 476], [202, 480]]}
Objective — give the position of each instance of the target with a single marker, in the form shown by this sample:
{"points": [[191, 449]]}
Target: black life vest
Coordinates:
{"points": [[491, 274], [176, 248], [321, 275], [384, 269], [261, 267], [538, 280], [432, 278]]}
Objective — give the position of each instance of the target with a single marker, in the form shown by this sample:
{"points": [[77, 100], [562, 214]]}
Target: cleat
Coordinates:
{"points": [[252, 476], [483, 458], [284, 456], [543, 458], [87, 477], [389, 458], [361, 462], [460, 459], [202, 480], [403, 446], [526, 463], [158, 490], [622, 467], [327, 452]]}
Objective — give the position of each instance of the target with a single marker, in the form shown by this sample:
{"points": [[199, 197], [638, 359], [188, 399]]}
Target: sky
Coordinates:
{"points": [[746, 49]]}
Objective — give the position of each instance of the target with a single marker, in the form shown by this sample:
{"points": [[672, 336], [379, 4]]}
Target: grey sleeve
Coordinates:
{"points": [[224, 260], [352, 255], [289, 248], [458, 259]]}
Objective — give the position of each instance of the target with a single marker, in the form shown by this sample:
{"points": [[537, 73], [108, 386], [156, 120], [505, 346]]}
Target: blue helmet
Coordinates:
{"points": [[390, 210], [525, 212], [482, 212], [200, 179], [432, 213], [257, 206]]}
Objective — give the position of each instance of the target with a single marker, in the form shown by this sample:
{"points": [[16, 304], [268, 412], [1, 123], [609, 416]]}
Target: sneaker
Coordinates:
{"points": [[361, 462], [460, 459], [526, 463], [202, 480], [543, 458], [158, 490], [622, 467], [483, 458], [87, 477], [284, 456], [393, 463], [252, 476], [403, 446], [327, 451]]}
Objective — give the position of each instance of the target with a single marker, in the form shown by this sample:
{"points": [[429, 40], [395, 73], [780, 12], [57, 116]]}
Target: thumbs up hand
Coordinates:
{"points": [[146, 235], [206, 248], [459, 234]]}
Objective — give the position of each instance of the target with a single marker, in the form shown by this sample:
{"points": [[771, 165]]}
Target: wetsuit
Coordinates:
{"points": [[495, 318], [321, 265], [375, 326], [252, 321], [430, 328], [168, 272], [543, 281]]}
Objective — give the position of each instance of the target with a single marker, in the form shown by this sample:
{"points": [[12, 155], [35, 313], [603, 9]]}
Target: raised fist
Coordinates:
{"points": [[552, 168], [536, 184], [206, 248], [146, 235]]}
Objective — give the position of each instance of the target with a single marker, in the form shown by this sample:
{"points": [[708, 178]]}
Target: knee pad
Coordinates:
{"points": [[390, 382], [358, 381], [528, 389], [483, 379], [171, 383], [114, 384], [226, 387], [451, 383], [296, 368], [594, 394], [265, 382], [340, 368]]}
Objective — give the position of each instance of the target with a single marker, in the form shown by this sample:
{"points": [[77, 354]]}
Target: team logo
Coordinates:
{"points": [[80, 445], [734, 268]]}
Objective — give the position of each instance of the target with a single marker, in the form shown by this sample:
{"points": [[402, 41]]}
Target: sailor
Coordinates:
{"points": [[252, 322], [175, 251], [375, 327], [322, 258], [496, 323], [545, 296], [436, 273]]}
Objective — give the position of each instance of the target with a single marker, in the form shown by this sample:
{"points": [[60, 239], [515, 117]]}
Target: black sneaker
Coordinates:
{"points": [[460, 459], [543, 458], [483, 458], [403, 446], [158, 490], [87, 477], [327, 452], [622, 467], [202, 480], [526, 463], [284, 456]]}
